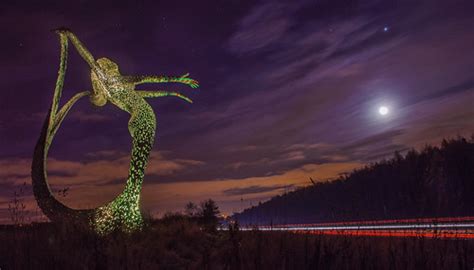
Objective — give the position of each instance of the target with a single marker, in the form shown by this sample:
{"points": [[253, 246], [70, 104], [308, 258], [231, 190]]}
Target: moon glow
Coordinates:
{"points": [[383, 110]]}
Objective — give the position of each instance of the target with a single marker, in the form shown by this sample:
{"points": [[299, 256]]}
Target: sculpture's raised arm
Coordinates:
{"points": [[80, 47]]}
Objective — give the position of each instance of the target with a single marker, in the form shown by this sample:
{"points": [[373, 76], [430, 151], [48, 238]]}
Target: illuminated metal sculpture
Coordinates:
{"points": [[107, 85]]}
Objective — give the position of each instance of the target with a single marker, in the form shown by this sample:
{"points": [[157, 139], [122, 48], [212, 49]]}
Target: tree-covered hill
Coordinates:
{"points": [[433, 182]]}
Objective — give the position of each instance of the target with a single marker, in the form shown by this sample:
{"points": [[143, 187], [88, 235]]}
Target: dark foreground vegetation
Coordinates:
{"points": [[178, 242], [434, 182]]}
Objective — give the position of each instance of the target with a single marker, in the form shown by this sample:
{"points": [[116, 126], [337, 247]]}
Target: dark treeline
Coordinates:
{"points": [[434, 182]]}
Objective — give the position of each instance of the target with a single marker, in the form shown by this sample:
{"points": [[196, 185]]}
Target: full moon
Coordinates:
{"points": [[383, 110]]}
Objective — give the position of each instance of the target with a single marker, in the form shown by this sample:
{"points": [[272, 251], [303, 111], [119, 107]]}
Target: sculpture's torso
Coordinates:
{"points": [[109, 85]]}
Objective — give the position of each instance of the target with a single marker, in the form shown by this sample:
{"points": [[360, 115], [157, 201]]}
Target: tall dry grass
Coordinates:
{"points": [[178, 242]]}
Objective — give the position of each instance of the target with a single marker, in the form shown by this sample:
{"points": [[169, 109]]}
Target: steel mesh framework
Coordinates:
{"points": [[108, 85]]}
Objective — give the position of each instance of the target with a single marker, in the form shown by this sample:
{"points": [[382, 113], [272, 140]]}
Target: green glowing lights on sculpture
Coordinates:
{"points": [[108, 85]]}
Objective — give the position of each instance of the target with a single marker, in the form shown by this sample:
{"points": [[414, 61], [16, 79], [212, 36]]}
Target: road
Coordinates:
{"points": [[442, 228]]}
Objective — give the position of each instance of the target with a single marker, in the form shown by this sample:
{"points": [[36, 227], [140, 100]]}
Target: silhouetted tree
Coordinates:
{"points": [[208, 215], [191, 209]]}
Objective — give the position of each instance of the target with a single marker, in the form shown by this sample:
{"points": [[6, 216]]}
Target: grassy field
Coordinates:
{"points": [[181, 244]]}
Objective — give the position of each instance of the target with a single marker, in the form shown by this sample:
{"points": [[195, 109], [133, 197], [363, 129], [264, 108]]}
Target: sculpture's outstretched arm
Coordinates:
{"points": [[162, 79], [81, 49], [154, 94]]}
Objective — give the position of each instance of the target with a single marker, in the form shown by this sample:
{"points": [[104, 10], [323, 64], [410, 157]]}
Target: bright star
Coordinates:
{"points": [[385, 29]]}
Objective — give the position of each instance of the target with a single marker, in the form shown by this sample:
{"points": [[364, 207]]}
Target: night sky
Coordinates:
{"points": [[288, 90]]}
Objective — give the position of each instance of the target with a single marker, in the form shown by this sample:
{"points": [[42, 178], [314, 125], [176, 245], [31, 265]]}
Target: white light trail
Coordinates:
{"points": [[366, 227]]}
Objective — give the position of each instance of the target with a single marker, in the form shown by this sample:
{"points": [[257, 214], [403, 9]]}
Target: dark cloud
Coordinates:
{"points": [[254, 32], [254, 189], [466, 87], [383, 138]]}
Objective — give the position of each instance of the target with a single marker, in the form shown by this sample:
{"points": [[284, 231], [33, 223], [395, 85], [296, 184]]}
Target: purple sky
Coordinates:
{"points": [[289, 90]]}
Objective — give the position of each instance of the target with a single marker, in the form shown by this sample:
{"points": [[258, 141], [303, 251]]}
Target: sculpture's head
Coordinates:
{"points": [[99, 90], [110, 67]]}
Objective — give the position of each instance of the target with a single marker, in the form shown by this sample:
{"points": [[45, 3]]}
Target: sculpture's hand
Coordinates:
{"points": [[81, 49], [191, 82], [61, 30]]}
